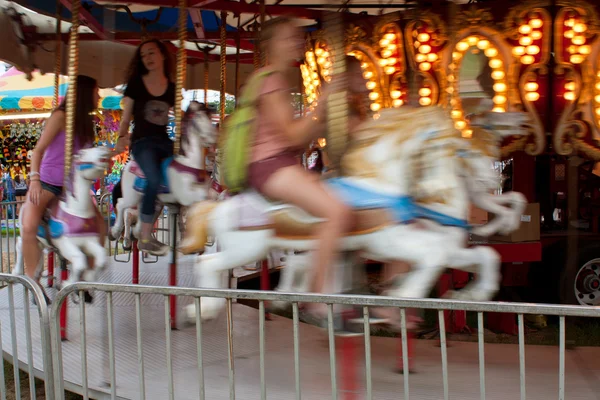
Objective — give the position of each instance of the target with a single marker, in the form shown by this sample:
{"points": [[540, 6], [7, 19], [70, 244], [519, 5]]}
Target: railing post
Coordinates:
{"points": [[50, 269], [64, 275], [135, 267]]}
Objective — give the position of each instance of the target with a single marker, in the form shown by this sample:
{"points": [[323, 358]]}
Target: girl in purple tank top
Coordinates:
{"points": [[48, 165]]}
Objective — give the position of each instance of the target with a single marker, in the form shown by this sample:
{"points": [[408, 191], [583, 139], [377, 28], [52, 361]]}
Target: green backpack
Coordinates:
{"points": [[239, 135]]}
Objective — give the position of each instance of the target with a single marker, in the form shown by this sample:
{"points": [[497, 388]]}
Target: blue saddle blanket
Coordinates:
{"points": [[403, 208], [139, 184]]}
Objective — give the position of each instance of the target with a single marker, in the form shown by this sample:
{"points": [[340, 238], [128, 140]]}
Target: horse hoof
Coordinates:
{"points": [[127, 247]]}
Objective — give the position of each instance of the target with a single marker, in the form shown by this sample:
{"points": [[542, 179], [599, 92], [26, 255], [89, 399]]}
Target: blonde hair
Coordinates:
{"points": [[269, 29]]}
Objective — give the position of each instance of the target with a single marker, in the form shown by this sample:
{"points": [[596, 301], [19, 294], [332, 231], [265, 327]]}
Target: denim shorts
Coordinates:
{"points": [[55, 190]]}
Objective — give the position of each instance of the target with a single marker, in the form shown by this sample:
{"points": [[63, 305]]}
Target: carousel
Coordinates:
{"points": [[456, 91]]}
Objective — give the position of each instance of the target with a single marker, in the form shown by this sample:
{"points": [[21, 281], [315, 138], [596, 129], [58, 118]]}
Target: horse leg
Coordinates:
{"points": [[485, 263], [19, 268], [294, 276], [238, 248], [426, 251], [94, 248], [70, 251]]}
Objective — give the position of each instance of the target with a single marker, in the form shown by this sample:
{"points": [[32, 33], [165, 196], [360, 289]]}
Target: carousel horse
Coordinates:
{"points": [[183, 177], [70, 227], [449, 173], [376, 184]]}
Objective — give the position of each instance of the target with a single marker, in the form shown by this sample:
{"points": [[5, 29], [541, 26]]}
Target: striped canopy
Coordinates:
{"points": [[17, 93]]}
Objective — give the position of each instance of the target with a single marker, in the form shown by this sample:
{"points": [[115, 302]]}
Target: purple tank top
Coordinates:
{"points": [[52, 169]]}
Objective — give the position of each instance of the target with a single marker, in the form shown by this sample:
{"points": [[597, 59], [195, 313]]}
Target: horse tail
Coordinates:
{"points": [[196, 232]]}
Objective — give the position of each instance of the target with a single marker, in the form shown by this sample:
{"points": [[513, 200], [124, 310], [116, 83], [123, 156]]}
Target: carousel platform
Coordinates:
{"points": [[502, 371]]}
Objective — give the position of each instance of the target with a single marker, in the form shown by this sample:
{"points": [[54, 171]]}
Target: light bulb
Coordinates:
{"points": [[424, 101], [425, 66], [395, 94], [432, 57], [532, 96], [423, 37], [397, 103], [525, 29], [424, 92], [518, 51], [491, 52], [424, 49], [531, 86]]}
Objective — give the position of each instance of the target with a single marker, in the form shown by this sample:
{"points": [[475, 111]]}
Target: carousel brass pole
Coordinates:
{"points": [[57, 56], [256, 54], [263, 54], [181, 72], [337, 105], [206, 66], [72, 92], [238, 44], [223, 65]]}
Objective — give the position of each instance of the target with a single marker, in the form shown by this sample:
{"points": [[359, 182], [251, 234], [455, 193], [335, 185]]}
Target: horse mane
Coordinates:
{"points": [[188, 115], [403, 124]]}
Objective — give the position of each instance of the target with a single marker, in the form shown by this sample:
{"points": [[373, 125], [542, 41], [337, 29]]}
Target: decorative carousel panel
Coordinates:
{"points": [[479, 65], [527, 29], [576, 76], [426, 37]]}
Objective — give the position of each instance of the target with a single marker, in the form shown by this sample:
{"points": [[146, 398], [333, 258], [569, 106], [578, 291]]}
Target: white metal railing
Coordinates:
{"points": [[333, 302]]}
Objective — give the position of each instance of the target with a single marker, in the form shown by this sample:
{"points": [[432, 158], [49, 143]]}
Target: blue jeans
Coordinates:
{"points": [[149, 154]]}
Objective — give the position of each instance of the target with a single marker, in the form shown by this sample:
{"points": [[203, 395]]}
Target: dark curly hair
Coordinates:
{"points": [[136, 66]]}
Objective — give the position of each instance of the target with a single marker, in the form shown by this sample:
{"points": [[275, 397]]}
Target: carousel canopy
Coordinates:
{"points": [[111, 30], [19, 93]]}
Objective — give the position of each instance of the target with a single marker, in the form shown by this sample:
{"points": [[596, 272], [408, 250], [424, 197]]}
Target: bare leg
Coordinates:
{"points": [[298, 187]]}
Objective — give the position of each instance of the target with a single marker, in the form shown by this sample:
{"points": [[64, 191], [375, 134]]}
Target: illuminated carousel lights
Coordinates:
{"points": [[424, 60], [574, 31], [569, 94], [597, 98], [310, 78], [390, 56], [529, 40], [324, 62], [498, 75]]}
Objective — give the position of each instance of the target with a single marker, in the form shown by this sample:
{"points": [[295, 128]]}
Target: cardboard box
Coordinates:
{"points": [[529, 231], [477, 216]]}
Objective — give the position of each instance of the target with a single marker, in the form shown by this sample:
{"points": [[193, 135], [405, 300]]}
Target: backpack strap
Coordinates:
{"points": [[250, 95]]}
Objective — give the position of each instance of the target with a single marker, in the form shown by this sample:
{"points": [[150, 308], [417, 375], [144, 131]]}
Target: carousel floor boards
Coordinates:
{"points": [[502, 373]]}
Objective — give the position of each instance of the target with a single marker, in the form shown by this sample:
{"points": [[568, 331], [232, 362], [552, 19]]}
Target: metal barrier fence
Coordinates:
{"points": [[9, 229], [364, 302], [12, 305]]}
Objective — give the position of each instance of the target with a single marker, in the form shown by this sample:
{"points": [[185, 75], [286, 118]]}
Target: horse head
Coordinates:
{"points": [[91, 163], [482, 150], [197, 122]]}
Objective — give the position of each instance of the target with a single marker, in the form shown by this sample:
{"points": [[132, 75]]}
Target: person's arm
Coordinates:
{"points": [[54, 125], [123, 140]]}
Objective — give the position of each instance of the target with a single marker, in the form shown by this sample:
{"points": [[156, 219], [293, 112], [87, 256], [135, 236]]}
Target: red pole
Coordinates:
{"points": [[64, 275], [50, 269], [173, 269], [348, 350], [135, 273]]}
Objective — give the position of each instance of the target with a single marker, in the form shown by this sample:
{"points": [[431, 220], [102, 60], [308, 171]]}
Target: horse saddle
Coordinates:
{"points": [[369, 214], [141, 182]]}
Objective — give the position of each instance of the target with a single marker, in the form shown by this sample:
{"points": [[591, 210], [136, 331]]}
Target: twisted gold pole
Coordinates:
{"points": [[72, 92], [263, 54], [223, 65], [337, 106], [181, 72], [256, 54], [57, 56], [206, 65]]}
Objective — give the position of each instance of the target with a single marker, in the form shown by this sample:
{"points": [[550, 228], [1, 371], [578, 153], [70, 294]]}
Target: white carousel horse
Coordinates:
{"points": [[450, 172], [72, 229], [247, 226], [183, 176]]}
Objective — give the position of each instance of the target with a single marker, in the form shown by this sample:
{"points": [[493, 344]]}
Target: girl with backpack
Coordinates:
{"points": [[149, 95], [275, 170]]}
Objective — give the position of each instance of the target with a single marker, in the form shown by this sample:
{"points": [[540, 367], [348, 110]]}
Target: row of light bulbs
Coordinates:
{"points": [[531, 34], [578, 49]]}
